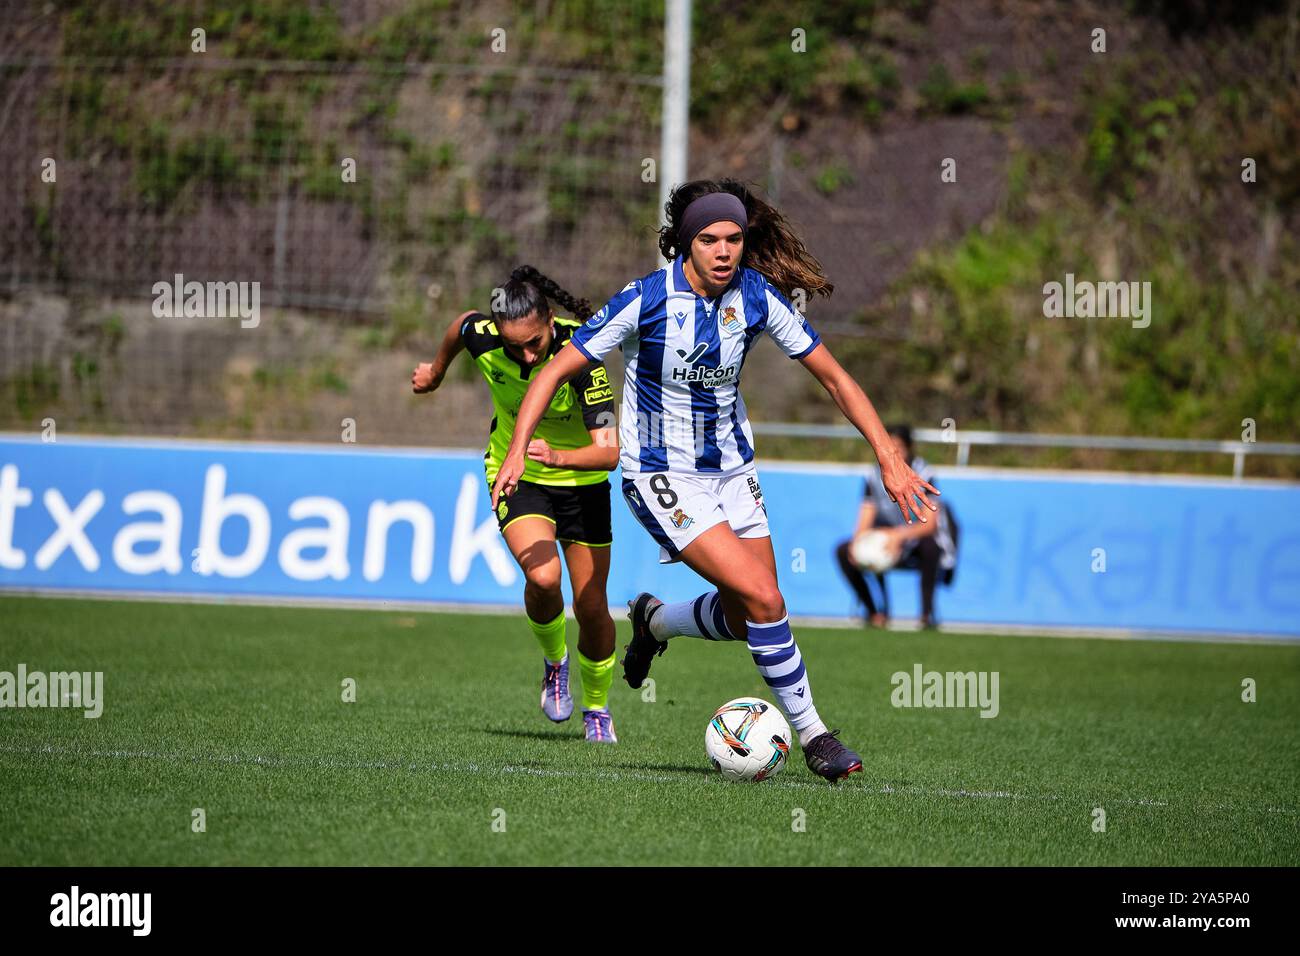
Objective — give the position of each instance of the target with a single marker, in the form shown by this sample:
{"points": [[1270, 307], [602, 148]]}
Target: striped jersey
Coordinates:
{"points": [[682, 355]]}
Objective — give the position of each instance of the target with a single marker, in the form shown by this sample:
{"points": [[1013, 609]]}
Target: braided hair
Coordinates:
{"points": [[528, 291]]}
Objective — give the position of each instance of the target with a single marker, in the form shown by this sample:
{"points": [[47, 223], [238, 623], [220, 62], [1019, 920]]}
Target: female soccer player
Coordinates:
{"points": [[687, 447], [562, 493]]}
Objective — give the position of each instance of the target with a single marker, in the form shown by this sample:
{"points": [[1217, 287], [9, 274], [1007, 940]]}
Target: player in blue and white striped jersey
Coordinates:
{"points": [[687, 449], [682, 358]]}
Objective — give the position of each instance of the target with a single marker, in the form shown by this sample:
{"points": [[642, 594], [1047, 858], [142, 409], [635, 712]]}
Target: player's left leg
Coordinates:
{"points": [[589, 572], [583, 526], [747, 555], [743, 570]]}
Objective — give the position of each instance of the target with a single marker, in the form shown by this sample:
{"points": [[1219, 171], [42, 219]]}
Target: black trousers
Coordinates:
{"points": [[924, 557]]}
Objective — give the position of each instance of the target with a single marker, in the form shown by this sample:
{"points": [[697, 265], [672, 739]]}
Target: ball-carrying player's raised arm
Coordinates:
{"points": [[905, 487], [566, 363]]}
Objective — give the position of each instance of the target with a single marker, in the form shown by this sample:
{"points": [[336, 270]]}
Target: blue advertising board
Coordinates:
{"points": [[318, 522]]}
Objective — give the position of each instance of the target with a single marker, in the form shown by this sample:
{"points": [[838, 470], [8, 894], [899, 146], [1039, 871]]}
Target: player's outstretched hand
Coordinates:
{"points": [[512, 469], [423, 378], [540, 451], [905, 487]]}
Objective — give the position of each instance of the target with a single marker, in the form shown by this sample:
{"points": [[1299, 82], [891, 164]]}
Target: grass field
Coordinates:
{"points": [[238, 710]]}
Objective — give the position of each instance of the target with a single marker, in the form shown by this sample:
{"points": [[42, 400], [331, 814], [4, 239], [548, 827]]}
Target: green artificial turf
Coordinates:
{"points": [[238, 711]]}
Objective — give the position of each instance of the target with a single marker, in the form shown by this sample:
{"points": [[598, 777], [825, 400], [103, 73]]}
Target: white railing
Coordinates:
{"points": [[963, 440]]}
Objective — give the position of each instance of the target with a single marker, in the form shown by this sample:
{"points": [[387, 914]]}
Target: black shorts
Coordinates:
{"points": [[580, 513]]}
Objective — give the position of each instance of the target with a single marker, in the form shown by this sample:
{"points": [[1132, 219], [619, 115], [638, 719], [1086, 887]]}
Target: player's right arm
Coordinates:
{"points": [[587, 347], [567, 363], [428, 375], [596, 399]]}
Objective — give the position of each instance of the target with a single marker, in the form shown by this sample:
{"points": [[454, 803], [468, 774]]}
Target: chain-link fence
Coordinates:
{"points": [[369, 165], [378, 166], [341, 186]]}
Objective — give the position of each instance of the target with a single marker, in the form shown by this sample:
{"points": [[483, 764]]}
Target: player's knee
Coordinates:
{"points": [[763, 601], [544, 578]]}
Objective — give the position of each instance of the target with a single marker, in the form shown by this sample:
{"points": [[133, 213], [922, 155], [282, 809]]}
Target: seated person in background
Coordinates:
{"points": [[930, 548]]}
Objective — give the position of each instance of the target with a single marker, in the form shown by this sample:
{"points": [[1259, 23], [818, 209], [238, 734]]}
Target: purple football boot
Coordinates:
{"points": [[557, 702], [599, 726]]}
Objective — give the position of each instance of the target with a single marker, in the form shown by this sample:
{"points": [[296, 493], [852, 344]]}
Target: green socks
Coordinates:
{"points": [[551, 638], [596, 678], [596, 675]]}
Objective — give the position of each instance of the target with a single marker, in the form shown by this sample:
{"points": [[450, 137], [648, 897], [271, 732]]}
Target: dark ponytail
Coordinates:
{"points": [[528, 291]]}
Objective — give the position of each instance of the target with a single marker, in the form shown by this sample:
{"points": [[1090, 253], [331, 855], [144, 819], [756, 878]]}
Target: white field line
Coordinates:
{"points": [[411, 766]]}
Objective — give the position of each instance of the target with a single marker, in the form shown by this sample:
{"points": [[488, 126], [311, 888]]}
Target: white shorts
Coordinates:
{"points": [[676, 508]]}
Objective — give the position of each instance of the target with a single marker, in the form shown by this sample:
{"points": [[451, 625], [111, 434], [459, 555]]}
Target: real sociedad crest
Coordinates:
{"points": [[730, 321]]}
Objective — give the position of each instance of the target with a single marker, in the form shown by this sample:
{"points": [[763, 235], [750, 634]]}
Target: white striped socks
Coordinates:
{"points": [[701, 617], [779, 661]]}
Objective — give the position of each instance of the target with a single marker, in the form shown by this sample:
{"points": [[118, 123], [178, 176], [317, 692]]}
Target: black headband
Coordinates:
{"points": [[706, 210]]}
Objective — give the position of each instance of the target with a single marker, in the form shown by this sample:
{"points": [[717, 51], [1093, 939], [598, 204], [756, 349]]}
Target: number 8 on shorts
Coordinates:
{"points": [[678, 508]]}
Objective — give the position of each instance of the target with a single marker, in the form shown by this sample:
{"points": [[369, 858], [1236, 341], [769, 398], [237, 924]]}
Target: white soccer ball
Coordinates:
{"points": [[871, 552], [747, 739]]}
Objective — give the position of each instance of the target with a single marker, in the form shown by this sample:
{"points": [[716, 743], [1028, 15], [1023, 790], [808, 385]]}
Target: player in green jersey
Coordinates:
{"points": [[563, 494]]}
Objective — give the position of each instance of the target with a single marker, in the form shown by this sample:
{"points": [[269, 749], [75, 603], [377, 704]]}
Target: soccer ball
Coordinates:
{"points": [[871, 552], [747, 739]]}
